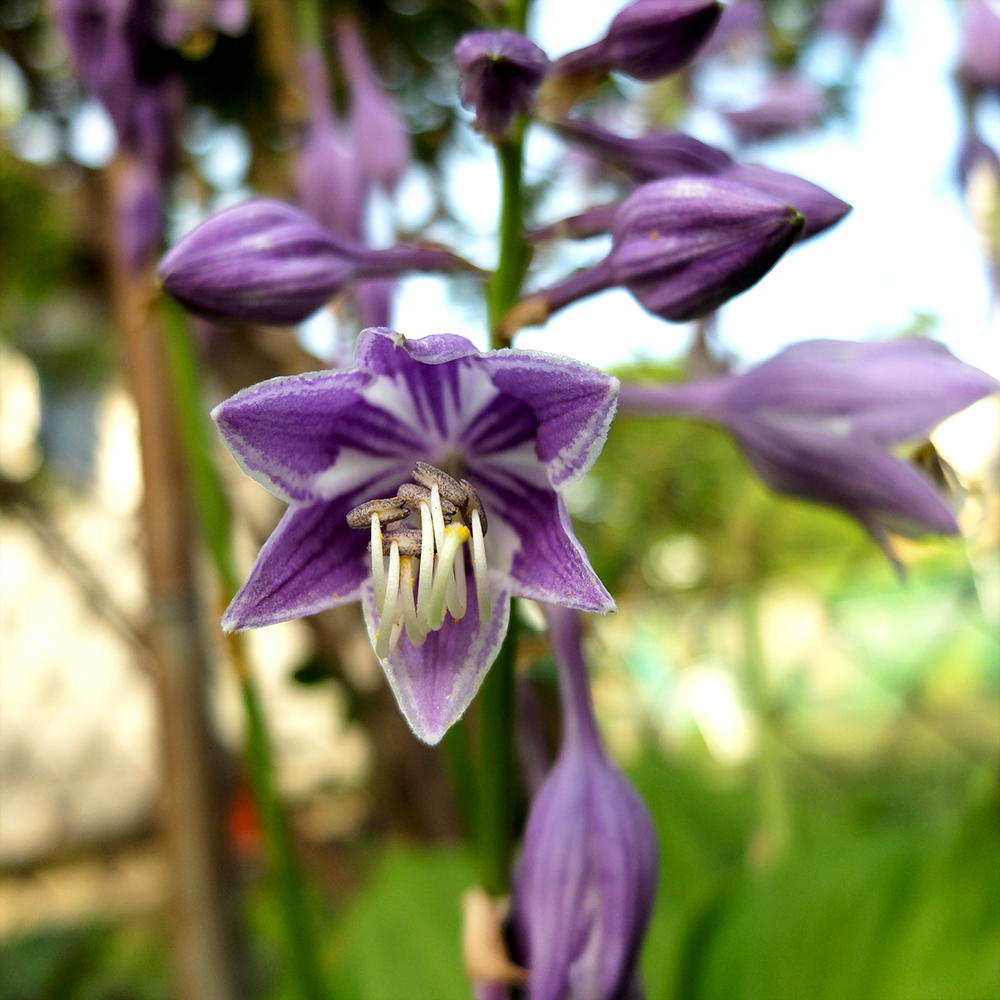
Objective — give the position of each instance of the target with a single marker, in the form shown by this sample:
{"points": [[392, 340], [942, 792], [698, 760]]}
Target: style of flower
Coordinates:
{"points": [[819, 420], [269, 262], [586, 880], [501, 71], [452, 463], [647, 39]]}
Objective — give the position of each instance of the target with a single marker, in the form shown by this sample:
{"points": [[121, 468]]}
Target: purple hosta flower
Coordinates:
{"points": [[647, 39], [979, 52], [332, 185], [819, 421], [682, 246], [501, 71], [451, 463], [659, 154], [742, 29], [857, 20], [383, 140], [138, 213], [790, 104], [269, 262], [585, 883]]}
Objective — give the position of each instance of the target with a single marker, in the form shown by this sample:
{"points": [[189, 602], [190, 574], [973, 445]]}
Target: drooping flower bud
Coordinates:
{"points": [[268, 262], [979, 54], [790, 104], [383, 140], [584, 887], [819, 420], [647, 39], [501, 71], [857, 20], [682, 246]]}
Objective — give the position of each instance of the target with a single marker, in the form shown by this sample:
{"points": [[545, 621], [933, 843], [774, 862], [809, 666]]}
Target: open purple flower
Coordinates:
{"points": [[819, 419], [450, 463], [682, 246], [647, 39], [585, 884], [501, 71], [269, 262]]}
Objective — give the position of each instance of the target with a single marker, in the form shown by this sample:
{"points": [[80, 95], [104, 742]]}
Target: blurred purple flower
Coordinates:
{"points": [[682, 246], [383, 140], [857, 20], [973, 154], [742, 27], [586, 880], [520, 426], [790, 104], [501, 71], [180, 19], [331, 179], [979, 51], [819, 420], [269, 262], [647, 39], [138, 213]]}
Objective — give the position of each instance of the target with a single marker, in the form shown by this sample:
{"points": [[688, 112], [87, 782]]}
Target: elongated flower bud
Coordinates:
{"points": [[647, 39], [501, 71], [268, 262], [584, 888], [790, 104]]}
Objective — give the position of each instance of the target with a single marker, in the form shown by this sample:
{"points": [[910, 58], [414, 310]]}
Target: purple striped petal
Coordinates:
{"points": [[435, 683]]}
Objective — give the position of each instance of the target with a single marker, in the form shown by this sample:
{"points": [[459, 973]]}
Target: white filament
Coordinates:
{"points": [[387, 614], [479, 567], [414, 631], [454, 536], [378, 566]]}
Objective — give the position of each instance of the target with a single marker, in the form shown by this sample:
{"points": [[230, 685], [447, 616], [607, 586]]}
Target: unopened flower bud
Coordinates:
{"points": [[501, 71]]}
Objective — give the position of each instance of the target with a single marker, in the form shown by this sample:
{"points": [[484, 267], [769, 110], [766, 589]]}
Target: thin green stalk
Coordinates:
{"points": [[495, 812], [213, 510]]}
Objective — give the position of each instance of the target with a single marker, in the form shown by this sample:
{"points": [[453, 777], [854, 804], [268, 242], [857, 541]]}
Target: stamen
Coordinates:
{"points": [[437, 515], [393, 509], [479, 567], [378, 566], [387, 618], [426, 568], [414, 495], [454, 536], [413, 630], [429, 475], [457, 589]]}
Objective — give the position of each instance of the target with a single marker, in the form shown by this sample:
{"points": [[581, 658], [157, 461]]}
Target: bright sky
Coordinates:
{"points": [[909, 247]]}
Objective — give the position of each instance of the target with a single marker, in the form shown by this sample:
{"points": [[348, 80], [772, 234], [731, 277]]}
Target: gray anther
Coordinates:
{"points": [[428, 475], [414, 495], [410, 539], [474, 503], [392, 509]]}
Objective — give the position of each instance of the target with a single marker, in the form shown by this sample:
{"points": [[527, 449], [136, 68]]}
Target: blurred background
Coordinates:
{"points": [[817, 742]]}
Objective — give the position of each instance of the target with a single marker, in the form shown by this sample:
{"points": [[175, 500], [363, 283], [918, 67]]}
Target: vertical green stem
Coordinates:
{"points": [[495, 812], [213, 510], [772, 795]]}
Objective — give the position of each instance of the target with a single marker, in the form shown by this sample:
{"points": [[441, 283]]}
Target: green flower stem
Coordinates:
{"points": [[495, 811], [213, 509]]}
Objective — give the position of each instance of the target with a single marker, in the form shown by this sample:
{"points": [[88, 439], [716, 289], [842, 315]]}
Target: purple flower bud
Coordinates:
{"points": [[819, 420], [820, 209], [659, 154], [857, 20], [331, 179], [979, 54], [647, 39], [790, 104], [742, 27], [383, 140], [585, 884], [268, 262], [685, 245], [501, 71]]}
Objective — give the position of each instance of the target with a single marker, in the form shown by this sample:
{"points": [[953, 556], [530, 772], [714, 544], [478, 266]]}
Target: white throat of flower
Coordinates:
{"points": [[418, 573]]}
